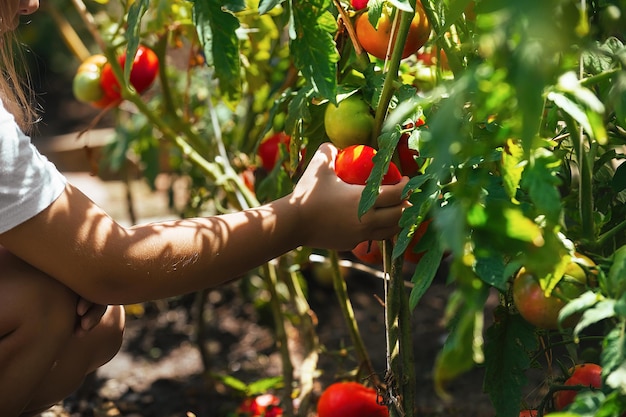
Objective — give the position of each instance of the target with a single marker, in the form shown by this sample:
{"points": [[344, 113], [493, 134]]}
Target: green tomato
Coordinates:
{"points": [[86, 87], [349, 123]]}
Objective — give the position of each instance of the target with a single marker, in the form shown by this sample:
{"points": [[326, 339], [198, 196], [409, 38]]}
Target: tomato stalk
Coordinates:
{"points": [[400, 364], [585, 193], [341, 291], [393, 65], [270, 276]]}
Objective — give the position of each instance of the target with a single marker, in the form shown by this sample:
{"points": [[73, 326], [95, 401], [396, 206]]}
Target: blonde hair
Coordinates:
{"points": [[15, 92]]}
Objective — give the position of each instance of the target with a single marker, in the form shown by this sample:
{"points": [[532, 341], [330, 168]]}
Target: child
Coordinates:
{"points": [[66, 266]]}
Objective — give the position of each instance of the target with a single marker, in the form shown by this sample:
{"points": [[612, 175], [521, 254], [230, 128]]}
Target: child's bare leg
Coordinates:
{"points": [[41, 359]]}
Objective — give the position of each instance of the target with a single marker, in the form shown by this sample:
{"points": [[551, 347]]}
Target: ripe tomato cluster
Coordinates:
{"points": [[350, 399], [95, 82]]}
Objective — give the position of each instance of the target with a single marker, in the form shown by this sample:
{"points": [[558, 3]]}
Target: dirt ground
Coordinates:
{"points": [[159, 371]]}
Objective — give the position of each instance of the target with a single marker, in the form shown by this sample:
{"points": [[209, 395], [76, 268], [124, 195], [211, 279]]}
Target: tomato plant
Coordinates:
{"points": [[376, 40], [587, 374], [521, 161], [350, 399], [354, 165], [144, 70], [350, 122], [541, 310]]}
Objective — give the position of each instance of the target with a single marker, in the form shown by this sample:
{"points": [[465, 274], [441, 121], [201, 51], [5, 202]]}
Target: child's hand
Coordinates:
{"points": [[329, 207], [89, 315]]}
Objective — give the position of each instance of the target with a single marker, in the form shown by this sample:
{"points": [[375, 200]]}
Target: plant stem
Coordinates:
{"points": [[393, 66], [270, 275], [341, 291]]}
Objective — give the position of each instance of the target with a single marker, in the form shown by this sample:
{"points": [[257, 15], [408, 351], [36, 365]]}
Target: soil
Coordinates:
{"points": [[159, 371]]}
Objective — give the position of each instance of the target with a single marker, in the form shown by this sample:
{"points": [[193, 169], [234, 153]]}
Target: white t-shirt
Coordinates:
{"points": [[29, 182]]}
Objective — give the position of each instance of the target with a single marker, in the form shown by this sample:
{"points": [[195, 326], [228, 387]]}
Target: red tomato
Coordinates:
{"points": [[264, 405], [376, 40], [406, 156], [528, 413], [409, 255], [586, 374], [368, 252], [350, 399], [359, 4], [354, 165], [269, 150], [142, 74]]}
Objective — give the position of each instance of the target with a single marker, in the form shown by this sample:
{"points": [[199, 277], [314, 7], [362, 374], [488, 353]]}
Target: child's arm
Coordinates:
{"points": [[76, 242]]}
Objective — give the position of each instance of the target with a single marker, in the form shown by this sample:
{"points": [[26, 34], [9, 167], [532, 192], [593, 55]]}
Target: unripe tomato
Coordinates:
{"points": [[359, 4], [350, 122], [350, 399], [86, 83], [376, 40], [542, 311], [269, 150], [354, 165], [587, 374], [143, 72]]}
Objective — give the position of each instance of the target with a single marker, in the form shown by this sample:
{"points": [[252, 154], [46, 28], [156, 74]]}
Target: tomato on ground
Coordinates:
{"points": [[350, 399], [375, 40], [586, 374]]}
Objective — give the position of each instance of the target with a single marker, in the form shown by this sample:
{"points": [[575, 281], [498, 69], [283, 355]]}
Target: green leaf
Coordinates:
{"points": [[216, 29], [267, 5], [425, 271], [491, 270], [312, 46], [463, 346], [614, 350], [540, 180], [617, 273], [387, 144], [593, 313], [507, 345], [618, 183], [512, 167], [133, 35]]}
